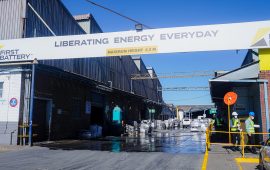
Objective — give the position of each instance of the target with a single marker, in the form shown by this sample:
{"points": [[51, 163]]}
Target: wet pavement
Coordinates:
{"points": [[176, 149], [167, 141]]}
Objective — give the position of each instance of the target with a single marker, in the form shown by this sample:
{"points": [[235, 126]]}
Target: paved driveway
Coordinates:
{"points": [[165, 150]]}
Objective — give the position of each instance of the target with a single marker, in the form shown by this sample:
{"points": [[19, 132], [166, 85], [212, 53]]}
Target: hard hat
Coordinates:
{"points": [[251, 114], [234, 114]]}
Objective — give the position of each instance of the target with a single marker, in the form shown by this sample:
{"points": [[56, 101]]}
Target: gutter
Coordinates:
{"points": [[241, 81]]}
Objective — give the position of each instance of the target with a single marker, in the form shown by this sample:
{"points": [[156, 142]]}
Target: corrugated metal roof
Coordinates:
{"points": [[250, 71], [82, 17], [194, 108]]}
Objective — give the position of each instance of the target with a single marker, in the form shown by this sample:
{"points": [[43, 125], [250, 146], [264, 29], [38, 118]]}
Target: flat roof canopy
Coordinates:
{"points": [[218, 89]]}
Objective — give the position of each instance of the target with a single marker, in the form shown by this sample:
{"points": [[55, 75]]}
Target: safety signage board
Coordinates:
{"points": [[213, 111], [230, 98], [151, 110], [13, 102], [235, 36]]}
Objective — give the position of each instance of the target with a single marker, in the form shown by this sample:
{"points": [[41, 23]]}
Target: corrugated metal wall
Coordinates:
{"points": [[115, 69], [85, 25], [55, 15], [12, 13], [150, 88], [94, 27]]}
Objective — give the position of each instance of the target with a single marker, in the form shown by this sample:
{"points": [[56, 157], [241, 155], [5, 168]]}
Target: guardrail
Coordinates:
{"points": [[242, 139]]}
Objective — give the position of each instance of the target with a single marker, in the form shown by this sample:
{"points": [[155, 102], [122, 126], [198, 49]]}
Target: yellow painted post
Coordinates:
{"points": [[206, 141], [205, 159], [208, 138], [229, 117], [243, 144]]}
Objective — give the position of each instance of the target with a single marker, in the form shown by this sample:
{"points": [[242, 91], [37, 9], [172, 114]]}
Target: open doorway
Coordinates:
{"points": [[42, 115], [97, 116]]}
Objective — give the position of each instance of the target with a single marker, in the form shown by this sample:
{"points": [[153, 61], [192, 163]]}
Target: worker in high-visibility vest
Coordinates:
{"points": [[217, 125], [219, 122], [212, 122], [250, 131], [235, 127]]}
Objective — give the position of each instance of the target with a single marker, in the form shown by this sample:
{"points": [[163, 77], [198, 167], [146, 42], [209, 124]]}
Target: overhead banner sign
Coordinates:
{"points": [[236, 36]]}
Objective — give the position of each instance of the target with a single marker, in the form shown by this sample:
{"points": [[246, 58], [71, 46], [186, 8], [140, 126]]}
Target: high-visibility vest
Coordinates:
{"points": [[235, 122], [250, 126], [218, 121]]}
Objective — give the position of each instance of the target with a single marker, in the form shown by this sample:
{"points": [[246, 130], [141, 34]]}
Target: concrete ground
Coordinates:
{"points": [[223, 158], [8, 148], [175, 149], [44, 158]]}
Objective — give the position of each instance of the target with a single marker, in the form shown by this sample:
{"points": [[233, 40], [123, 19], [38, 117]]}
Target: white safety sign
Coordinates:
{"points": [[235, 36]]}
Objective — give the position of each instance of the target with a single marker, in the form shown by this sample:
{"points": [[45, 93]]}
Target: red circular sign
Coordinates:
{"points": [[230, 98], [13, 102]]}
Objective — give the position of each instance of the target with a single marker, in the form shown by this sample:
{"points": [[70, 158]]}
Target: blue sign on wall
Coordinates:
{"points": [[13, 102]]}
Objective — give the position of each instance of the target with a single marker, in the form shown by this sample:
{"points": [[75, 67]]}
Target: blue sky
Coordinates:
{"points": [[175, 13]]}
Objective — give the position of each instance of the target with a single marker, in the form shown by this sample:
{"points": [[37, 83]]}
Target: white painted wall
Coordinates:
{"points": [[11, 89]]}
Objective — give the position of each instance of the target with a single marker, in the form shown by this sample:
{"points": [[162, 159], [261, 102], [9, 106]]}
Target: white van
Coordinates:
{"points": [[186, 122]]}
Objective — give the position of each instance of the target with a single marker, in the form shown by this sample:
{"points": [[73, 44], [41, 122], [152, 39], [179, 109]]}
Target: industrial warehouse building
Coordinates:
{"points": [[71, 94], [249, 82]]}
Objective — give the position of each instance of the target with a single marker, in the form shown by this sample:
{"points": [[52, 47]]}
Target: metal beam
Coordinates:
{"points": [[266, 106], [148, 76], [16, 63], [241, 81], [183, 89], [30, 142], [41, 19]]}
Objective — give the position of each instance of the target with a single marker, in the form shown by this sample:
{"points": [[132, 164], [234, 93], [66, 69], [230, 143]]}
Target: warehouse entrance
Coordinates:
{"points": [[252, 35], [42, 116]]}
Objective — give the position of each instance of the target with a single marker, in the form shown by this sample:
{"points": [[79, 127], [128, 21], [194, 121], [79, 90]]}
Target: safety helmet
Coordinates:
{"points": [[234, 114], [251, 114]]}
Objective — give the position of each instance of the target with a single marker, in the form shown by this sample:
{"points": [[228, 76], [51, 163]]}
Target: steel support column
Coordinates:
{"points": [[30, 142], [266, 105]]}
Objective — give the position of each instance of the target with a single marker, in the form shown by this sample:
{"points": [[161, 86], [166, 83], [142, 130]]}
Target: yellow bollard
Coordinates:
{"points": [[208, 137], [229, 121], [242, 144], [207, 141]]}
